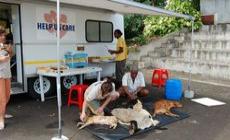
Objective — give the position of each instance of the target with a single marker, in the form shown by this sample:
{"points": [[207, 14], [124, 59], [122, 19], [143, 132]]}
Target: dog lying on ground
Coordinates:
{"points": [[104, 120], [164, 107], [137, 118]]}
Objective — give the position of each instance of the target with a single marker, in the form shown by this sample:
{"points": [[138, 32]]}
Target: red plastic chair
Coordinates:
{"points": [[159, 77], [79, 99]]}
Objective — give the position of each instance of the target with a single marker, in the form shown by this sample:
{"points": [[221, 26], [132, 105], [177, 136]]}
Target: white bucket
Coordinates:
{"points": [[189, 94]]}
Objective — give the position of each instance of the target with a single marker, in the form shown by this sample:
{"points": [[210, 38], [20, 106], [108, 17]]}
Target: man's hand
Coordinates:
{"points": [[132, 96], [114, 97], [82, 117], [134, 93], [111, 51], [100, 110]]}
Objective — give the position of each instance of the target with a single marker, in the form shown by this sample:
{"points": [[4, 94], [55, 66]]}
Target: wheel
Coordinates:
{"points": [[34, 87], [68, 81]]}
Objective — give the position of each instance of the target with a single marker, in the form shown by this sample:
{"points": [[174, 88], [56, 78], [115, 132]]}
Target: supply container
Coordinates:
{"points": [[173, 89]]}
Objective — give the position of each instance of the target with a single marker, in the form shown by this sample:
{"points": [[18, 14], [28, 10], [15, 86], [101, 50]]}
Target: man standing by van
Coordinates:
{"points": [[121, 56]]}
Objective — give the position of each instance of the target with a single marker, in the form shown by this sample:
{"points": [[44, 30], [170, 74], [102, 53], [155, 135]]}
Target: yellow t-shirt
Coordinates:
{"points": [[124, 54]]}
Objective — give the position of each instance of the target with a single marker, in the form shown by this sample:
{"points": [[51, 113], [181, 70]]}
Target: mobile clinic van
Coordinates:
{"points": [[88, 23], [32, 24]]}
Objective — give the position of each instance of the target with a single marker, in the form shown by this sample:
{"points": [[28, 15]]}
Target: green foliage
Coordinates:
{"points": [[148, 2], [139, 29], [156, 3], [160, 25], [140, 40], [159, 3], [196, 4], [134, 25]]}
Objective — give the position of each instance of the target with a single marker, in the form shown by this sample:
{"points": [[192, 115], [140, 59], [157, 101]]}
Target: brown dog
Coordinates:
{"points": [[164, 106], [106, 120]]}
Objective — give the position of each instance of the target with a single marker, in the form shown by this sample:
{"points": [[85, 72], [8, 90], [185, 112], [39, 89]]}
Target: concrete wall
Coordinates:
{"points": [[210, 53], [219, 8]]}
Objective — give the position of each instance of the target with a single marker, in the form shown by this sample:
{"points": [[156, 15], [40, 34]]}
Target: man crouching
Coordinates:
{"points": [[133, 84], [94, 94]]}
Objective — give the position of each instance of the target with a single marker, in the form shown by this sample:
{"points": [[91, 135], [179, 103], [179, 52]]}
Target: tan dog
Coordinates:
{"points": [[106, 120], [164, 107]]}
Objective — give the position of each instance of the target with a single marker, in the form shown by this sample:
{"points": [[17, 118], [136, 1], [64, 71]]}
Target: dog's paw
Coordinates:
{"points": [[155, 122], [79, 124]]}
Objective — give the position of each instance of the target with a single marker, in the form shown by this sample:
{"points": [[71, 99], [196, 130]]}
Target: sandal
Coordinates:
{"points": [[8, 116], [2, 126]]}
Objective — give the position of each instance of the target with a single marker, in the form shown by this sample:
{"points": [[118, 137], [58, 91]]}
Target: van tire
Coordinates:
{"points": [[67, 82], [34, 87]]}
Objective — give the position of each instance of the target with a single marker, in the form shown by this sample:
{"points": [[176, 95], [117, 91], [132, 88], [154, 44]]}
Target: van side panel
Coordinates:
{"points": [[39, 47]]}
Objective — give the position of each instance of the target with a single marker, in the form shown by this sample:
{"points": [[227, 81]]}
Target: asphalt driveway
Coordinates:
{"points": [[34, 119]]}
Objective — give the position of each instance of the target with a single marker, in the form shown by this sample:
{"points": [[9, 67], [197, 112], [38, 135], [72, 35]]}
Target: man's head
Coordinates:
{"points": [[106, 87], [134, 70], [117, 33]]}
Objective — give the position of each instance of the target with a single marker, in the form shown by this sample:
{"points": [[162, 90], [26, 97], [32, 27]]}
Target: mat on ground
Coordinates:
{"points": [[208, 101], [121, 132]]}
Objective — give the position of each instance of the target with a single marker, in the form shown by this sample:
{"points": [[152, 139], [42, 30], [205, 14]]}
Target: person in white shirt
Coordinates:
{"points": [[133, 84], [94, 94]]}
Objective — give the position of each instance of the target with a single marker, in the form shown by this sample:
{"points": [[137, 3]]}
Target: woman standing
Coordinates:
{"points": [[5, 75]]}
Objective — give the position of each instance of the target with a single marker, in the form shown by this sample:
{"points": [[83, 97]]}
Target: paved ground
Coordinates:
{"points": [[206, 123]]}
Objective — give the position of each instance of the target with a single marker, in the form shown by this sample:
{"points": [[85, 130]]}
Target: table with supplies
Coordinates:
{"points": [[50, 72]]}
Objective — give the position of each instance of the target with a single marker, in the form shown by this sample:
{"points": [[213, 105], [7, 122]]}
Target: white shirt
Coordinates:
{"points": [[138, 82], [94, 91]]}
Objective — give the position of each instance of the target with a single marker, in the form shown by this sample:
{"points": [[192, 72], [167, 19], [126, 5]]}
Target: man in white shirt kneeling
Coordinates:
{"points": [[97, 96], [133, 84]]}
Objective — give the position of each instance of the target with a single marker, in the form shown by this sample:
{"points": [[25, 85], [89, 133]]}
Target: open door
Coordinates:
{"points": [[10, 20]]}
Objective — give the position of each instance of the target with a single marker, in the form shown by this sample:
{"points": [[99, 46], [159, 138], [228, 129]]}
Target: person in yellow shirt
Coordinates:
{"points": [[121, 56]]}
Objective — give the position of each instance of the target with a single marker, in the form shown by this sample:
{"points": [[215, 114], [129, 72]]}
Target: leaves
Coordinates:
{"points": [[163, 25], [134, 25], [139, 29]]}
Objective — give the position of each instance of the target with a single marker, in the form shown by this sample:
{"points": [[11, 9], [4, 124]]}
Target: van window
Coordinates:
{"points": [[99, 31]]}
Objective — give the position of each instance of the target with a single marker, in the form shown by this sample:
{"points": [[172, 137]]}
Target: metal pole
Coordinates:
{"points": [[60, 136], [189, 93], [58, 68], [190, 58]]}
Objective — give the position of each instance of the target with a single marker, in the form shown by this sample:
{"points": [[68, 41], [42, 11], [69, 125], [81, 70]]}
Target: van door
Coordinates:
{"points": [[16, 64], [10, 20]]}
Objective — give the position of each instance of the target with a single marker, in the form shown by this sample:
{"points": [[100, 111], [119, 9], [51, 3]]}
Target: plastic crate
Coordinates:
{"points": [[76, 60]]}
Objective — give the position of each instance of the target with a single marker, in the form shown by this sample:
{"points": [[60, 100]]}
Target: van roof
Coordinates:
{"points": [[125, 6]]}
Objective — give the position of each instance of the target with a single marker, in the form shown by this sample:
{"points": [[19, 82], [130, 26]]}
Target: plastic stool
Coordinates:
{"points": [[159, 77], [80, 95]]}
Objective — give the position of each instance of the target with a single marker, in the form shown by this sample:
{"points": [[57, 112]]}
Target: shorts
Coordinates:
{"points": [[93, 106], [5, 72]]}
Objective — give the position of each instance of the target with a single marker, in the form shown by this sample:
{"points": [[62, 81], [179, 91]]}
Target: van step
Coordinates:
{"points": [[16, 88]]}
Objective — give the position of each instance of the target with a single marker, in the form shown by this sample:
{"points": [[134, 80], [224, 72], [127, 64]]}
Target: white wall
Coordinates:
{"points": [[218, 7]]}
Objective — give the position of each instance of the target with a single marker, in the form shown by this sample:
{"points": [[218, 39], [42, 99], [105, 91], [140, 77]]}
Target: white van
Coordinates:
{"points": [[88, 23], [32, 24]]}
